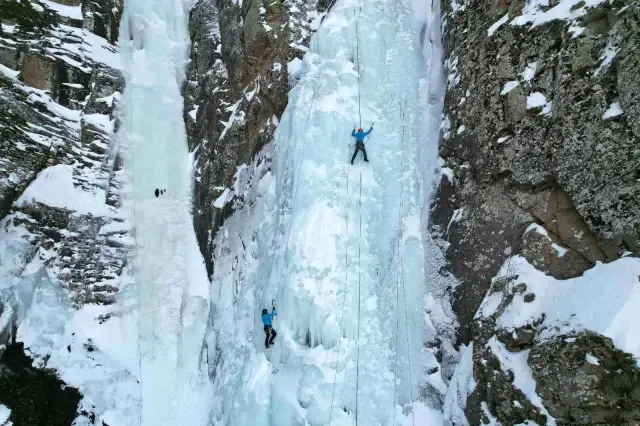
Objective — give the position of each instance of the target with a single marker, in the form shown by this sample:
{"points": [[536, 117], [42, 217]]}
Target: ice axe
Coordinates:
{"points": [[273, 305], [368, 137]]}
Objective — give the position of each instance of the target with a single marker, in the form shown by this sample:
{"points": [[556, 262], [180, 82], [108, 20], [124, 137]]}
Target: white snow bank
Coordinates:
{"points": [[492, 29], [537, 13], [448, 173], [223, 199], [294, 69], [4, 414], [606, 300], [99, 121], [591, 359], [536, 99], [54, 187], [73, 12], [8, 72], [614, 110], [509, 86]]}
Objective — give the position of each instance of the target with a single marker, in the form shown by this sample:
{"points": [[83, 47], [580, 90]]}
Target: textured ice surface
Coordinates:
{"points": [[170, 278], [342, 249]]}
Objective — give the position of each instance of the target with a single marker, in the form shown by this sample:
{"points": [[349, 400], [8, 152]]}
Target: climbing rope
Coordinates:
{"points": [[358, 60], [295, 193], [359, 302], [344, 293], [262, 299], [135, 243], [400, 276]]}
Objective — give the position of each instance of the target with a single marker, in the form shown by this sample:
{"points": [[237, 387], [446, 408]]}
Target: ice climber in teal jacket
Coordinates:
{"points": [[268, 329], [360, 135]]}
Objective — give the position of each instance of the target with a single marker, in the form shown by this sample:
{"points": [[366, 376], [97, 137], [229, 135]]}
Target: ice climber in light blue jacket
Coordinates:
{"points": [[268, 329], [360, 135]]}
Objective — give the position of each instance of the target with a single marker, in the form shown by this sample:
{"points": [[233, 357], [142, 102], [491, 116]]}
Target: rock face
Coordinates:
{"points": [[541, 126], [540, 158], [580, 378], [41, 397], [236, 91], [60, 179]]}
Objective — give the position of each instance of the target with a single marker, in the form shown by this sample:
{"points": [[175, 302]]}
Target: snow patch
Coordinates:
{"points": [[614, 110], [611, 290], [223, 199], [538, 100], [194, 112], [516, 362], [509, 86], [8, 72], [455, 217], [73, 12], [536, 12], [493, 28], [236, 116], [294, 69], [610, 51], [5, 413], [529, 72], [591, 359], [448, 173], [54, 187], [535, 100]]}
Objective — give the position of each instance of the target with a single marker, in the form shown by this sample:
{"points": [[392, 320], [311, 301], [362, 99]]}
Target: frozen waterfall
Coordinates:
{"points": [[343, 250], [171, 281]]}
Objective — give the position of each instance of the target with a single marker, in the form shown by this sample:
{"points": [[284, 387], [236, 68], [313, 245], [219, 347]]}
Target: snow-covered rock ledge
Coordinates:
{"points": [[550, 351]]}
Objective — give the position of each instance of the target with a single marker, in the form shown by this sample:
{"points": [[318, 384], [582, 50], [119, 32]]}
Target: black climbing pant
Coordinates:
{"points": [[269, 331], [359, 147]]}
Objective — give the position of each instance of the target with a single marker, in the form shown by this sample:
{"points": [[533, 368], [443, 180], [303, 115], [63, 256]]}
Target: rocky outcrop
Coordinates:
{"points": [[236, 91], [532, 373], [41, 397], [541, 126]]}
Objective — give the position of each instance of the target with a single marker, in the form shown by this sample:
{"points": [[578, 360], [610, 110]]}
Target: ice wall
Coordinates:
{"points": [[342, 249], [170, 277]]}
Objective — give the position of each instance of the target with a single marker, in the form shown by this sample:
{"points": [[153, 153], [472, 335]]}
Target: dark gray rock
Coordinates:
{"points": [[561, 165], [584, 380], [37, 132], [35, 396], [237, 83]]}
